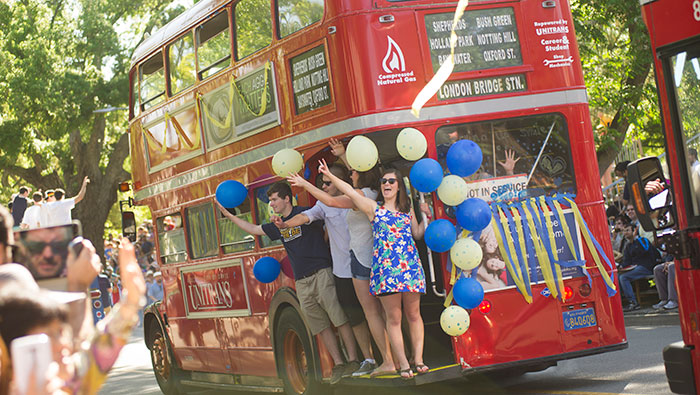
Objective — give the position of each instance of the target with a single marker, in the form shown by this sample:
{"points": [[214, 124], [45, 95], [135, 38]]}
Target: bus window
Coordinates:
{"points": [[232, 238], [213, 46], [171, 239], [181, 63], [135, 95], [294, 15], [686, 79], [201, 230], [253, 26], [264, 211], [523, 157], [152, 81]]}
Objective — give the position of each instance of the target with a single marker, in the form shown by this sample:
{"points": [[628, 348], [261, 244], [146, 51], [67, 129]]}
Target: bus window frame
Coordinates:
{"points": [[665, 54], [134, 93], [228, 9], [220, 216], [161, 118], [188, 237], [168, 79], [160, 233], [163, 93]]}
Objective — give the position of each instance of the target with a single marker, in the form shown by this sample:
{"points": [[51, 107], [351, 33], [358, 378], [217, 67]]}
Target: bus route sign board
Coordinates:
{"points": [[482, 86], [310, 80], [486, 39], [250, 91]]}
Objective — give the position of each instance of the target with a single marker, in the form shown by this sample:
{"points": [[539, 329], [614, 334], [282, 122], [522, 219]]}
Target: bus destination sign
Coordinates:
{"points": [[482, 86], [486, 39], [310, 80], [214, 291]]}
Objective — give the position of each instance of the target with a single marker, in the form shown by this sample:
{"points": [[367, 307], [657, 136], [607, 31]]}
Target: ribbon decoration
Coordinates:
{"points": [[179, 131], [263, 97], [445, 70], [530, 222]]}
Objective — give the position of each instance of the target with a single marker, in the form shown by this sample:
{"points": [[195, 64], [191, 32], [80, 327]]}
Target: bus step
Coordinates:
{"points": [[231, 387]]}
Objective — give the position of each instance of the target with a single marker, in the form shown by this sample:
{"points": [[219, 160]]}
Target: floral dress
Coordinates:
{"points": [[396, 266]]}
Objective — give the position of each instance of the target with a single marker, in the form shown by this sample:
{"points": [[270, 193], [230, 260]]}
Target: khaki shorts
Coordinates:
{"points": [[319, 301]]}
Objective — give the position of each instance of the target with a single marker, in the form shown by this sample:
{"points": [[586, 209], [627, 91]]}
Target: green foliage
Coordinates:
{"points": [[253, 26], [616, 57]]}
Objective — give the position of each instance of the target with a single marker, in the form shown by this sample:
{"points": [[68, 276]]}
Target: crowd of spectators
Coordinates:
{"points": [[50, 208]]}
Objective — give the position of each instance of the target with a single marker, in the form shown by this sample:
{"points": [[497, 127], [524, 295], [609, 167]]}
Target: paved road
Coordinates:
{"points": [[636, 370]]}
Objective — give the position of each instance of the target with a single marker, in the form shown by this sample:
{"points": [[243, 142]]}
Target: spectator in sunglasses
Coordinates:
{"points": [[396, 275], [46, 251]]}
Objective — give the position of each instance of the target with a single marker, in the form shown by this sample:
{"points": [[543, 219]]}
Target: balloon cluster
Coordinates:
{"points": [[463, 159]]}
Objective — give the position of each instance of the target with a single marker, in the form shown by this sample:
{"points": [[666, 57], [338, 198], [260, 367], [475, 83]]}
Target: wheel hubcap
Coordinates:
{"points": [[159, 353], [295, 362]]}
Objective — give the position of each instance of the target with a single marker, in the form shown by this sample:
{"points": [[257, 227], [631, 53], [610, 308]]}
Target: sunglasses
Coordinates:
{"points": [[36, 247], [391, 181], [327, 183]]}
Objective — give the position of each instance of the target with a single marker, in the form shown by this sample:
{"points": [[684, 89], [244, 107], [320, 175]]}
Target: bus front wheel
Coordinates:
{"points": [[163, 364], [294, 355]]}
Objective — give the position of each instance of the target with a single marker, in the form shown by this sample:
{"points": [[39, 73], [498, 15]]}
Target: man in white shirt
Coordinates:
{"points": [[32, 216], [59, 211]]}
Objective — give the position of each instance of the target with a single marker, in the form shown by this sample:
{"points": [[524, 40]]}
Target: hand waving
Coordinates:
{"points": [[509, 164]]}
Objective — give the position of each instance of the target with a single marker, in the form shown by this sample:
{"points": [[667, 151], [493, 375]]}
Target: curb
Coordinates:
{"points": [[653, 317]]}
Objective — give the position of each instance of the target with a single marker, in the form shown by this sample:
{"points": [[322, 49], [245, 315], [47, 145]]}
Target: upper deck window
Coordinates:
{"points": [[213, 45], [181, 63], [152, 78], [253, 26], [135, 95], [294, 15]]}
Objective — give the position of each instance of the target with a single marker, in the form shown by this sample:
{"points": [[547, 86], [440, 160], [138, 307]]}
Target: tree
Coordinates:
{"points": [[617, 60], [60, 61]]}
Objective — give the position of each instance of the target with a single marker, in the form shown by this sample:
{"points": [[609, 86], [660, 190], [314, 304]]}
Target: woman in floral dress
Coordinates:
{"points": [[397, 275]]}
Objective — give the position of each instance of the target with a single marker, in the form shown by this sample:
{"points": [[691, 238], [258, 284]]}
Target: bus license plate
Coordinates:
{"points": [[576, 319]]}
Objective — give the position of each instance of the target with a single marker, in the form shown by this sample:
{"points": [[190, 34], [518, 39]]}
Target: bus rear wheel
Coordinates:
{"points": [[294, 355], [163, 365]]}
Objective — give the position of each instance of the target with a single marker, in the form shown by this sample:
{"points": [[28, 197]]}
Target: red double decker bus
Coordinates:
{"points": [[674, 30], [227, 84]]}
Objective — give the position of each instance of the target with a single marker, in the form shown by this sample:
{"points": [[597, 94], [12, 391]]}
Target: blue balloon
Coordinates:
{"points": [[464, 158], [440, 235], [468, 293], [426, 175], [266, 269], [231, 193], [473, 214]]}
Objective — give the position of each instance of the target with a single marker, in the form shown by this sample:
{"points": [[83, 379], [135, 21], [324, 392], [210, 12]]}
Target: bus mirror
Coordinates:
{"points": [[129, 225], [650, 194]]}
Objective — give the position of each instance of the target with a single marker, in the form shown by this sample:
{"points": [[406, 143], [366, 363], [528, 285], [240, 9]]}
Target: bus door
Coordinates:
{"points": [[676, 205]]}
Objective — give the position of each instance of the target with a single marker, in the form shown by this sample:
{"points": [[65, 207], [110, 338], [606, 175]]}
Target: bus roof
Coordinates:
{"points": [[172, 29]]}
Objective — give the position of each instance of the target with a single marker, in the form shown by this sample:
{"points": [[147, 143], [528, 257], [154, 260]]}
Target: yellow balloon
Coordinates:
{"points": [[466, 254], [287, 161], [454, 320], [361, 153], [411, 144], [452, 190]]}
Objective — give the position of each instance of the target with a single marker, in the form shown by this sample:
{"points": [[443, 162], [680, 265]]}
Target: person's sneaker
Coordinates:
{"points": [[366, 367], [337, 373], [671, 305], [632, 307], [660, 305], [350, 368]]}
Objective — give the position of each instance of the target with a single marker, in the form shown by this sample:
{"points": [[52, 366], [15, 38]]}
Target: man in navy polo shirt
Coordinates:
{"points": [[312, 266]]}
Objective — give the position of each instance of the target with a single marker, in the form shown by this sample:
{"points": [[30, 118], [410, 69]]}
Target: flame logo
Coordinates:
{"points": [[393, 61]]}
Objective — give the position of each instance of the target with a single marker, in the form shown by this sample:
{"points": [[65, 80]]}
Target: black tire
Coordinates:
{"points": [[294, 356], [167, 374]]}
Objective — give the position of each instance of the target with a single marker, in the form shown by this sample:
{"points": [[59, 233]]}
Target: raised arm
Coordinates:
{"points": [[83, 188], [338, 149], [342, 201], [253, 229], [297, 220], [363, 203]]}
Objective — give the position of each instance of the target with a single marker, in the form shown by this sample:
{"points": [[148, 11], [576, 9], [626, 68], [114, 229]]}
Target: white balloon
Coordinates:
{"points": [[287, 161], [411, 144], [466, 254], [452, 190], [454, 320], [361, 153]]}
